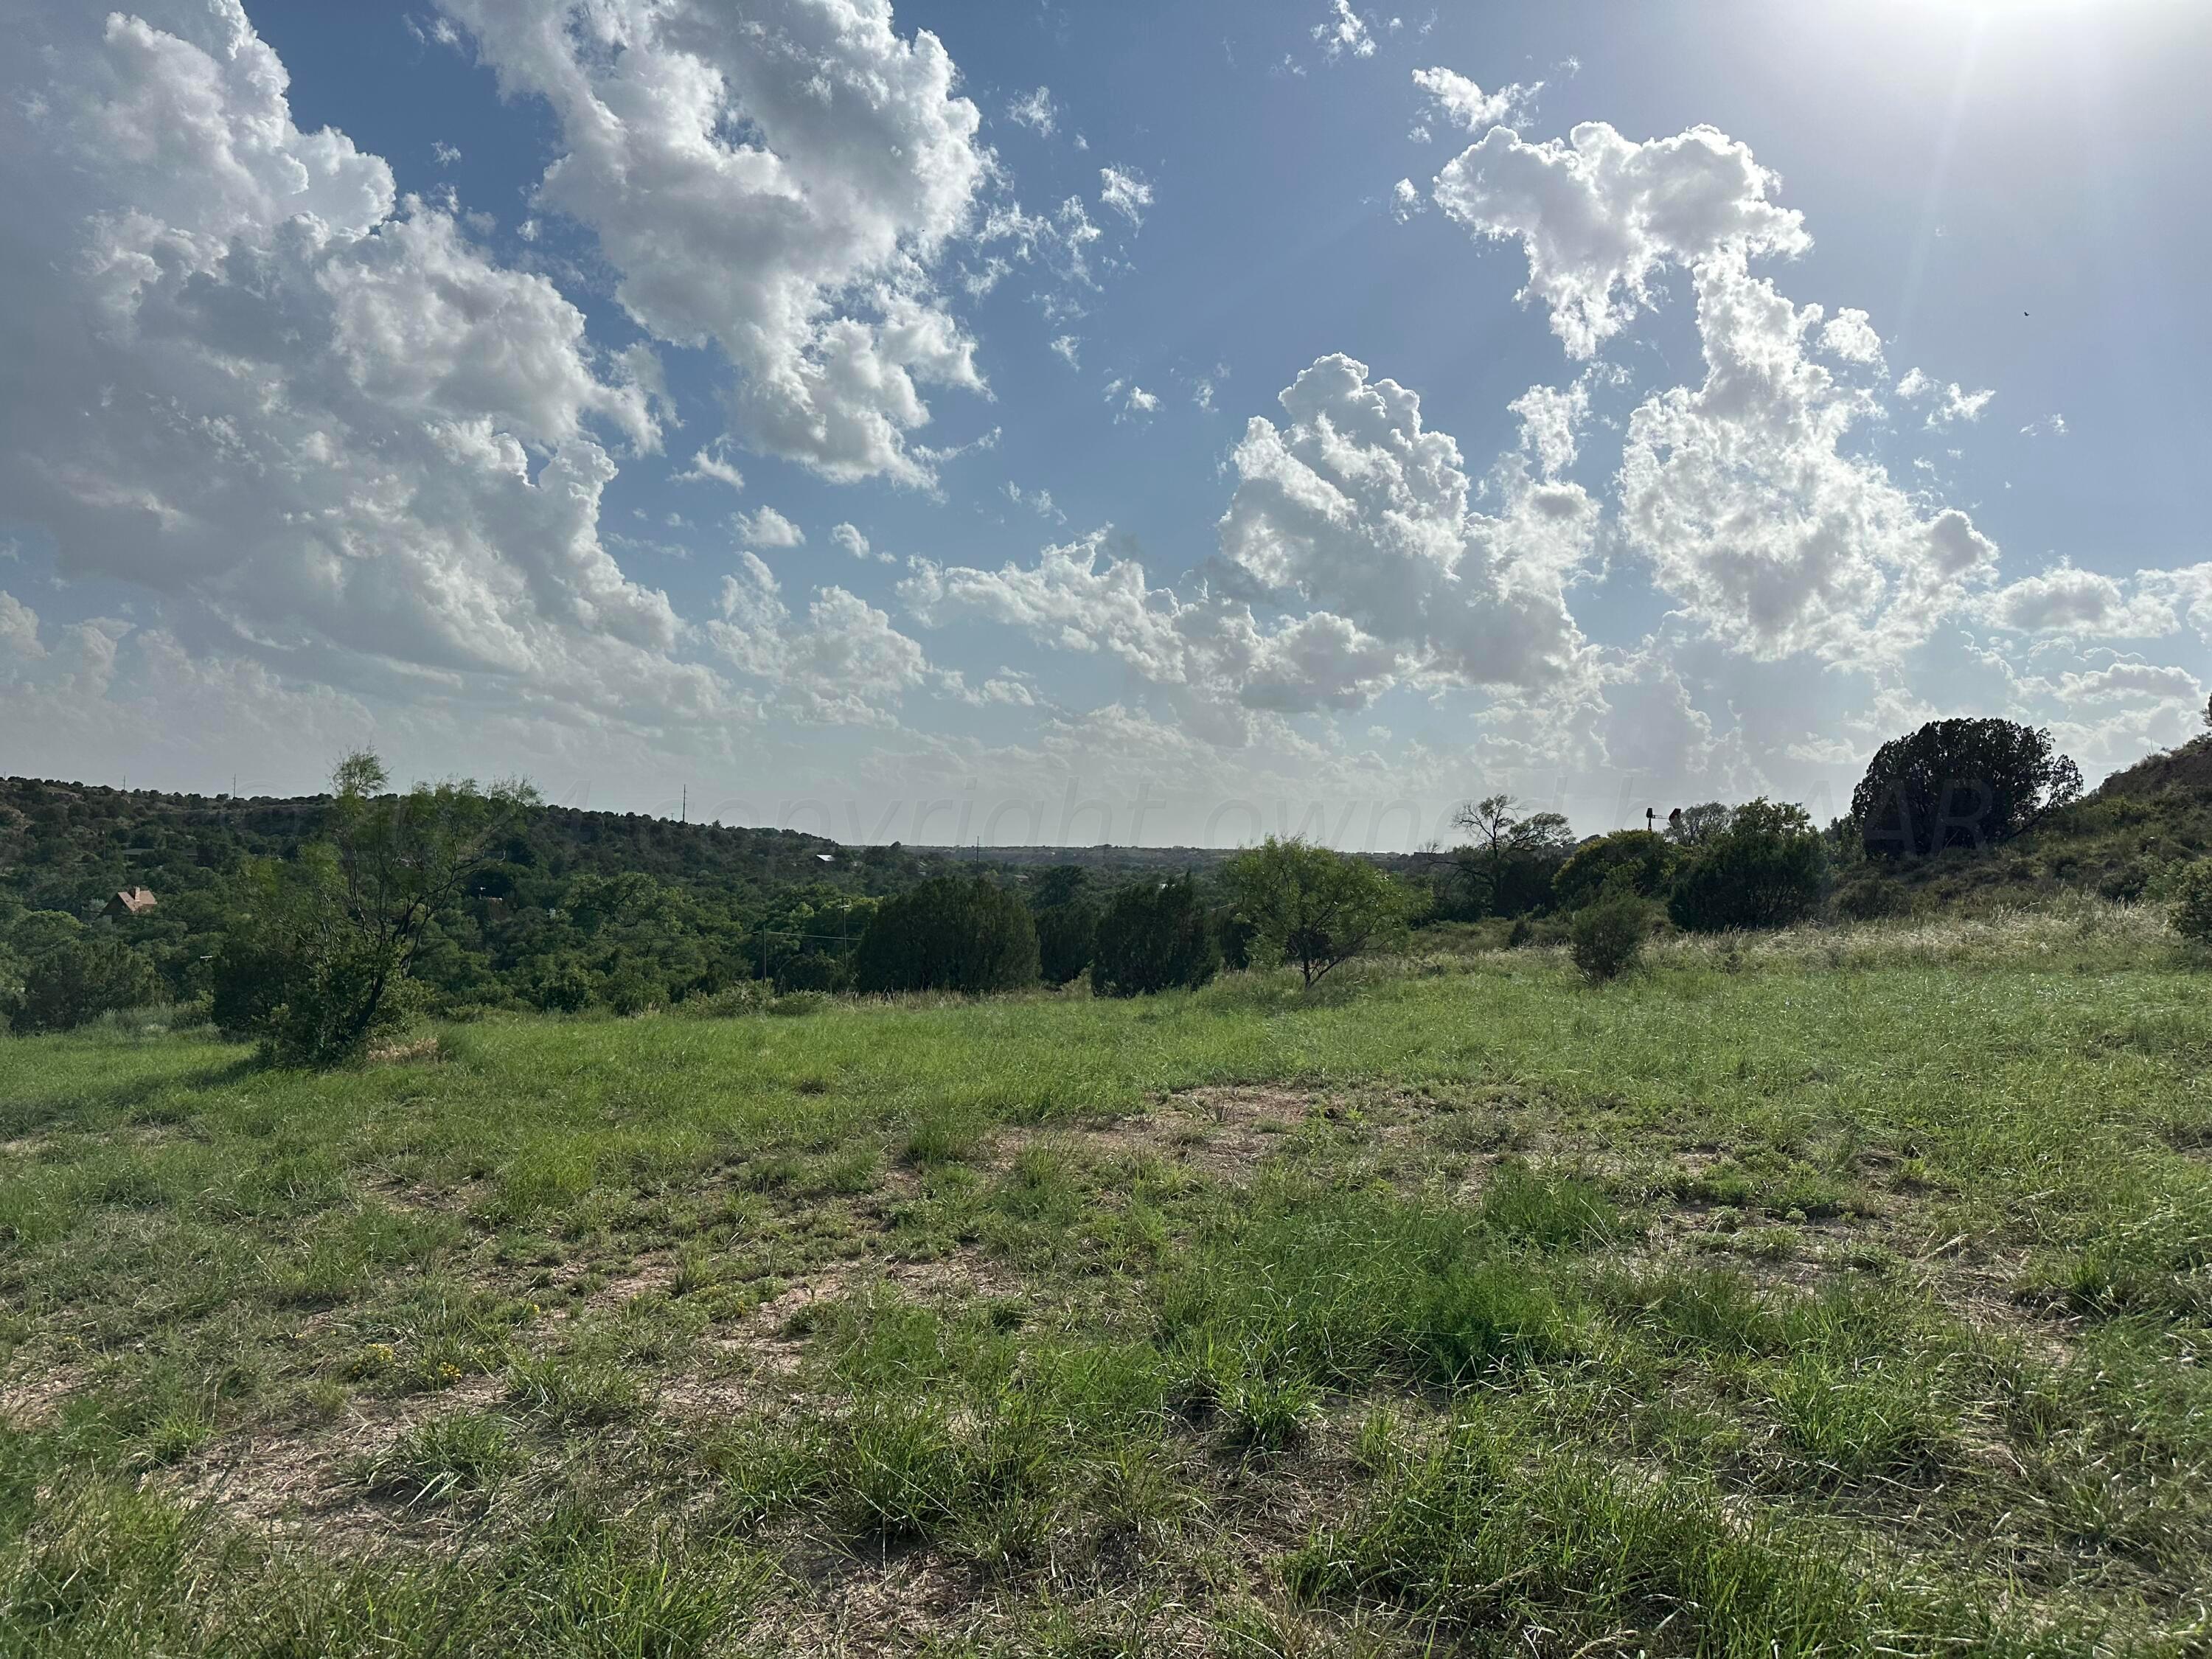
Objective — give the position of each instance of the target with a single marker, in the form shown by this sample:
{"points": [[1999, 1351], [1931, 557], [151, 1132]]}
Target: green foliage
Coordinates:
{"points": [[1635, 861], [1607, 938], [955, 933], [1507, 866], [1151, 938], [1766, 870], [1312, 907], [322, 962], [81, 978], [2192, 902], [1067, 937], [1960, 783]]}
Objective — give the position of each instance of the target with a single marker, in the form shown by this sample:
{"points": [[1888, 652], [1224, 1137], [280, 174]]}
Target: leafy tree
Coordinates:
{"points": [[336, 933], [1693, 826], [1766, 870], [1067, 936], [1960, 783], [1607, 938], [953, 934], [81, 978], [1506, 867], [809, 970], [1312, 907], [1628, 860], [1151, 937]]}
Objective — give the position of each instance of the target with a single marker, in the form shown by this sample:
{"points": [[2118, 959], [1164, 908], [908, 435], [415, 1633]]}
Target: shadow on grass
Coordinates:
{"points": [[78, 1106]]}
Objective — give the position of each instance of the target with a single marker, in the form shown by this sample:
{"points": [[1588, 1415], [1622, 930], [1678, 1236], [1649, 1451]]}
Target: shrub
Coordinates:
{"points": [[950, 934], [247, 983], [2192, 902], [630, 990], [816, 970], [1634, 859], [560, 985], [1608, 937], [81, 978], [1067, 934], [1766, 870], [1151, 938], [1312, 907], [1958, 783]]}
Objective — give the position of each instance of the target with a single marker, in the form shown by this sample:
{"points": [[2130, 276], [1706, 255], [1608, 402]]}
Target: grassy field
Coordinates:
{"points": [[1837, 1292]]}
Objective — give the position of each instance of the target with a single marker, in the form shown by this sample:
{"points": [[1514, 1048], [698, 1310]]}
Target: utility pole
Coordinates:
{"points": [[683, 812]]}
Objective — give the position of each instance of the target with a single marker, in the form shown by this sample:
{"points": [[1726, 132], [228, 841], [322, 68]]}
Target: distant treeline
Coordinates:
{"points": [[566, 909]]}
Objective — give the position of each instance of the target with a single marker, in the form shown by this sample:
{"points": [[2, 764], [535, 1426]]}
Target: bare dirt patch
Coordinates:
{"points": [[293, 1480], [399, 1053], [33, 1400], [1225, 1133]]}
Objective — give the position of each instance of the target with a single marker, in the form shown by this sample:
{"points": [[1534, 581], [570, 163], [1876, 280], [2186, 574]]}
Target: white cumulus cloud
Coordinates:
{"points": [[238, 370], [776, 177], [1598, 214], [767, 528]]}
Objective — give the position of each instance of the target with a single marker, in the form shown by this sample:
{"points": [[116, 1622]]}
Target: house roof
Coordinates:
{"points": [[136, 900]]}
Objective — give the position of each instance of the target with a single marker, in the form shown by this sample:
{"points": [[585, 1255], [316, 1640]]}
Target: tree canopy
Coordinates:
{"points": [[1967, 783], [952, 934], [1312, 907], [1767, 869]]}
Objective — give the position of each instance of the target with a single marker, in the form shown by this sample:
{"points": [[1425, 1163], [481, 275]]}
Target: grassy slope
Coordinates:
{"points": [[1844, 1293]]}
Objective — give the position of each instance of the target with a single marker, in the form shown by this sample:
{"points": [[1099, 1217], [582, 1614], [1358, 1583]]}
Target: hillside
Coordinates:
{"points": [[66, 845], [2125, 841]]}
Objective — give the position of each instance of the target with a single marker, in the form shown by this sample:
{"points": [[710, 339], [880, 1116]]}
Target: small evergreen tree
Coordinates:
{"points": [[2192, 903], [1151, 938], [1959, 784], [952, 934], [332, 936], [1607, 938]]}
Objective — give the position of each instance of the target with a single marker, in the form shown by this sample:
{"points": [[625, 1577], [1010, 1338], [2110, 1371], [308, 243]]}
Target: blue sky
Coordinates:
{"points": [[924, 423]]}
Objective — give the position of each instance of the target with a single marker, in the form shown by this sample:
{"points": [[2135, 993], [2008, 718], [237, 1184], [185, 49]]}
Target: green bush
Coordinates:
{"points": [[1641, 860], [1608, 937], [1153, 938], [560, 985], [2192, 902], [814, 970], [949, 934], [1766, 870], [81, 978]]}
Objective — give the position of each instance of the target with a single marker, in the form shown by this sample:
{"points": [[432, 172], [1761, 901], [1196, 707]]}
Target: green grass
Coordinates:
{"points": [[1834, 1292]]}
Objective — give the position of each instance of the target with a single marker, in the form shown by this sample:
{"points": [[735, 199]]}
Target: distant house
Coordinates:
{"points": [[130, 902]]}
